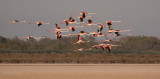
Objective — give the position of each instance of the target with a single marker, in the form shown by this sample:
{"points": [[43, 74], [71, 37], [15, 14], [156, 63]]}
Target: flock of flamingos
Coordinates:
{"points": [[73, 24]]}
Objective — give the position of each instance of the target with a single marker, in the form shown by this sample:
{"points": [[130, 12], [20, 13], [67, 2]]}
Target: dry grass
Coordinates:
{"points": [[87, 58], [79, 71]]}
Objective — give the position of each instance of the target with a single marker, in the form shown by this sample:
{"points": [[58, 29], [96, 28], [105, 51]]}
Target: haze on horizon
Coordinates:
{"points": [[141, 16]]}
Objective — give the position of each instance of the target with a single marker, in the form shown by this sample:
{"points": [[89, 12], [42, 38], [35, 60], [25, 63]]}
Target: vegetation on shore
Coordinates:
{"points": [[133, 49]]}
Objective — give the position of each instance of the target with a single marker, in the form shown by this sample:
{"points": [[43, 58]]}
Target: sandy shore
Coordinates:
{"points": [[79, 71]]}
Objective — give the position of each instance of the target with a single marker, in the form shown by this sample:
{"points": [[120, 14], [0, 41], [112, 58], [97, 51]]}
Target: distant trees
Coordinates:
{"points": [[130, 44], [64, 44], [133, 49], [138, 43]]}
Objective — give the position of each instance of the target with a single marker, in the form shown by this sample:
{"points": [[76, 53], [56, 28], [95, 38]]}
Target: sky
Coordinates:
{"points": [[141, 16]]}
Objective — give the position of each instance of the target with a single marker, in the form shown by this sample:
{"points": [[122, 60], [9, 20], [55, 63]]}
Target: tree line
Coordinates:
{"points": [[133, 49], [128, 44]]}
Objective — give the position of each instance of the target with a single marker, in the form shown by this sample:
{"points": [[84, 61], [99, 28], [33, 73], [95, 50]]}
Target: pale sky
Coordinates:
{"points": [[141, 16]]}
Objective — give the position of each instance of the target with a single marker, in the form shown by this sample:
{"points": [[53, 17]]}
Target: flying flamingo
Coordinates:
{"points": [[109, 40], [110, 23], [68, 21], [74, 27], [90, 23], [40, 23], [97, 34], [83, 14], [71, 19], [82, 19], [80, 49], [59, 35], [81, 33], [80, 40], [94, 46], [17, 21], [111, 30], [58, 28], [118, 34], [33, 37], [100, 26], [107, 46]]}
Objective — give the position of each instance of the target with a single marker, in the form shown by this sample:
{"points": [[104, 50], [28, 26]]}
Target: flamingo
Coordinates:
{"points": [[107, 46], [59, 35], [90, 22], [94, 46], [58, 32], [100, 26], [33, 37], [68, 21], [81, 33], [110, 23], [116, 31], [58, 28], [71, 19], [82, 19], [109, 40], [80, 49], [74, 27], [103, 46], [83, 14], [118, 34], [40, 23], [80, 40], [97, 34], [28, 38], [17, 21]]}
